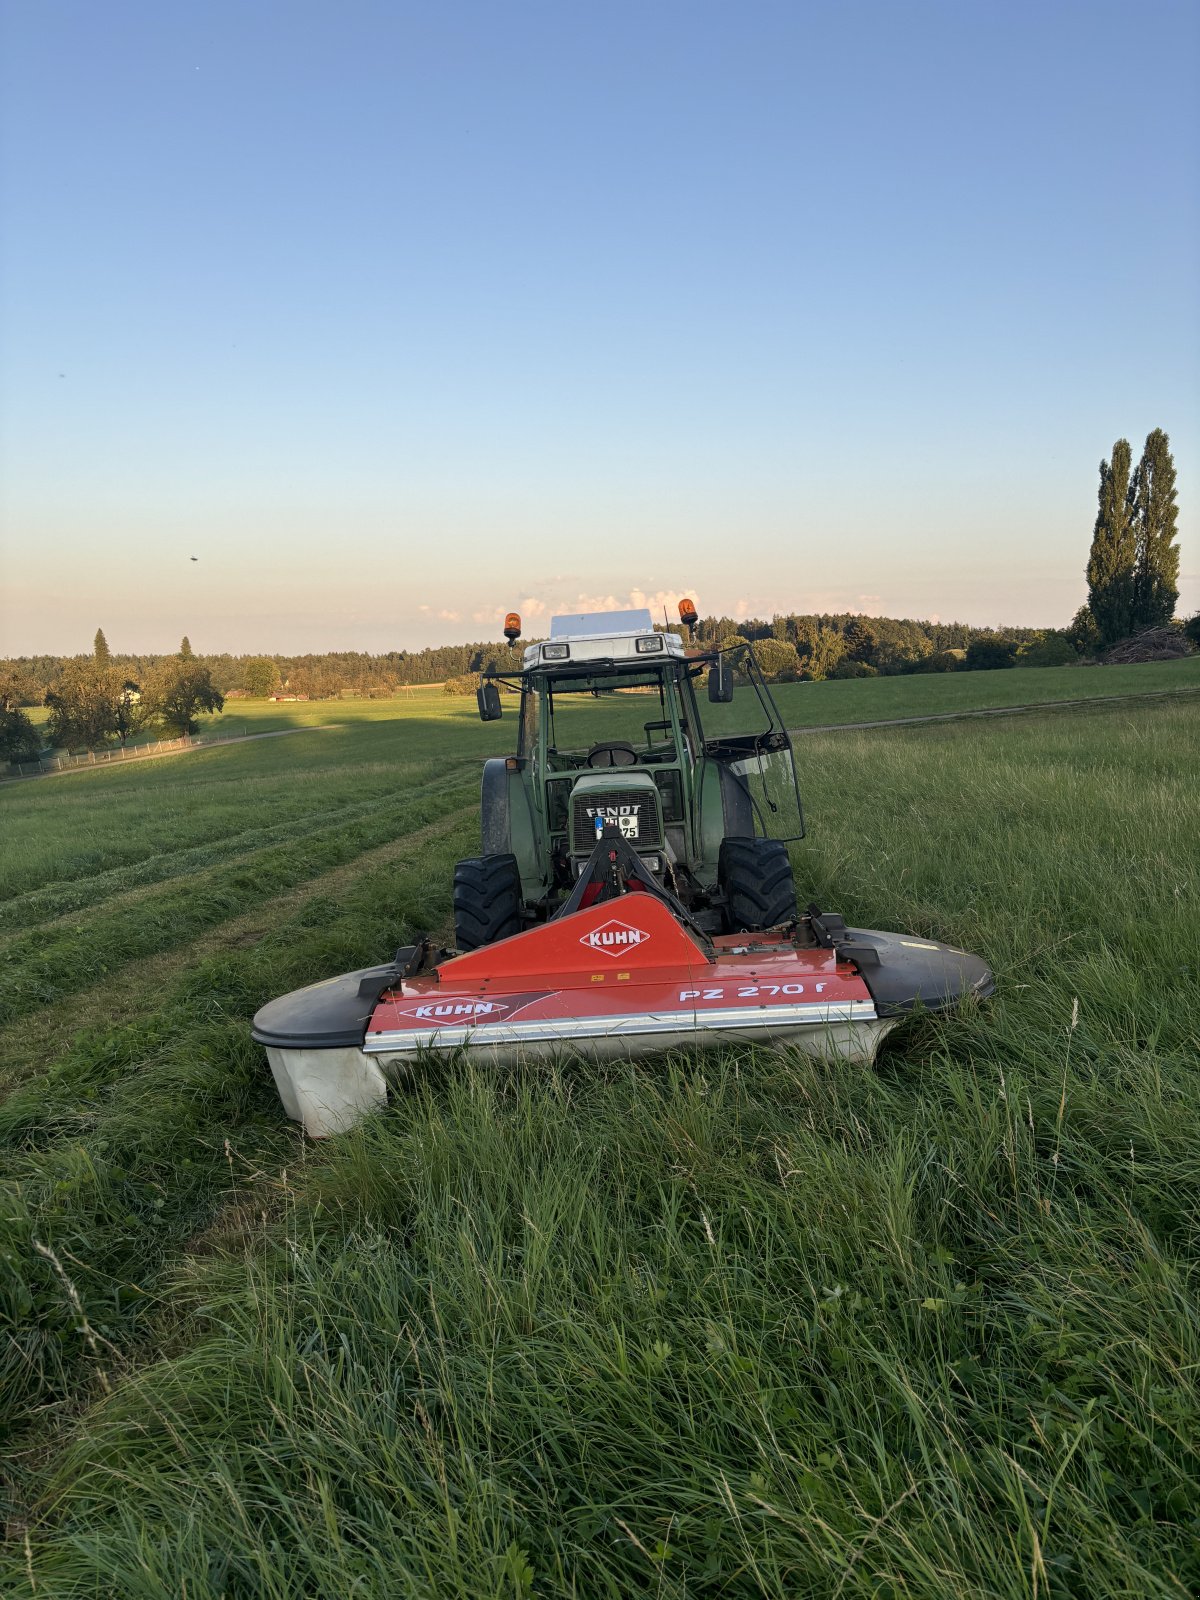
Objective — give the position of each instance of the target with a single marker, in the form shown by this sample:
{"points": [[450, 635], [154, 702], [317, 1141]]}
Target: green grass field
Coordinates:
{"points": [[731, 1323]]}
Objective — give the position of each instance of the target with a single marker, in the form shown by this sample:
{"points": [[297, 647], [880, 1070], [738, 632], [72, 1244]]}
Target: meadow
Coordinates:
{"points": [[734, 1322]]}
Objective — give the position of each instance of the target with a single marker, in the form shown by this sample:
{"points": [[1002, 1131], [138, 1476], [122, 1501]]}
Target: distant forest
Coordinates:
{"points": [[837, 645]]}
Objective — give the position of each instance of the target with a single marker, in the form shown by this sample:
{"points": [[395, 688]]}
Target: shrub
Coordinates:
{"points": [[1053, 650], [986, 655], [941, 661], [847, 667]]}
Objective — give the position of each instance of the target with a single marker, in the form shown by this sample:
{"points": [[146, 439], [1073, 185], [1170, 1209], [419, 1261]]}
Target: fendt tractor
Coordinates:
{"points": [[610, 731], [634, 893]]}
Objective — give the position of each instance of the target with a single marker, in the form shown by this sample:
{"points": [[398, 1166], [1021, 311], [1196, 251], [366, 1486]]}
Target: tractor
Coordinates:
{"points": [[612, 743]]}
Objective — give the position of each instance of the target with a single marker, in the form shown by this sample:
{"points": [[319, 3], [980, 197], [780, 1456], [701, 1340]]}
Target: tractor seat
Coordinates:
{"points": [[614, 754]]}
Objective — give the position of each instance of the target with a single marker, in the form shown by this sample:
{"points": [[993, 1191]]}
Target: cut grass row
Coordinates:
{"points": [[117, 1152], [742, 1323], [38, 907], [56, 833], [46, 963], [28, 1044]]}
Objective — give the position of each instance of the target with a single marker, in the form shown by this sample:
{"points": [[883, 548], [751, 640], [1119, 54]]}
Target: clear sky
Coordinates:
{"points": [[399, 315]]}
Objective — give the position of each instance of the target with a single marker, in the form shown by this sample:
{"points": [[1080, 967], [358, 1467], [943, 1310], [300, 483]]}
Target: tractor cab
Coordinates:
{"points": [[612, 736]]}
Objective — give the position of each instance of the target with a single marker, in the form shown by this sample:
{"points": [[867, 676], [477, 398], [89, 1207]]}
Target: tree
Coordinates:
{"points": [[130, 713], [819, 647], [12, 689], [775, 658], [1113, 556], [179, 688], [101, 654], [1082, 633], [185, 648], [1154, 531], [83, 705], [260, 677], [19, 739]]}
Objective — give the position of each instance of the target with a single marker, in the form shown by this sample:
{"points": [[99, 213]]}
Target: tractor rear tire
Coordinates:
{"points": [[487, 901], [756, 876]]}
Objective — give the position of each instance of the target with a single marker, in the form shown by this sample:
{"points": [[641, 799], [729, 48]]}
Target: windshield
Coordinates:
{"points": [[582, 711]]}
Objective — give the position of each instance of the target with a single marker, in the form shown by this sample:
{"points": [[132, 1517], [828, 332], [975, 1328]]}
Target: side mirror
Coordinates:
{"points": [[488, 697], [720, 681]]}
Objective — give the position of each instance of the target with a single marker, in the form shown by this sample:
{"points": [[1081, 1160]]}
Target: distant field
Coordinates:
{"points": [[928, 694], [741, 1323]]}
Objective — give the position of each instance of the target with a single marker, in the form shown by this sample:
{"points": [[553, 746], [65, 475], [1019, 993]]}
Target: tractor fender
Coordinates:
{"points": [[494, 813], [506, 824]]}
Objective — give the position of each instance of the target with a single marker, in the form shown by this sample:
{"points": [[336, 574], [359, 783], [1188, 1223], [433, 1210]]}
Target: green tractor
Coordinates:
{"points": [[611, 743]]}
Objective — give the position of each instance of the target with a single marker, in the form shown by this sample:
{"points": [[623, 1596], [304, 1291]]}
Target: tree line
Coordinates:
{"points": [[95, 701]]}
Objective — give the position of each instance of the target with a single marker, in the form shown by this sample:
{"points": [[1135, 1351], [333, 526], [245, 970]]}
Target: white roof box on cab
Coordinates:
{"points": [[603, 636], [594, 624]]}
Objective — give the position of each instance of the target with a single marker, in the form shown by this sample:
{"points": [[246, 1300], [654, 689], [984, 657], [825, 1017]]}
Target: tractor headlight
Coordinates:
{"points": [[556, 652], [648, 646]]}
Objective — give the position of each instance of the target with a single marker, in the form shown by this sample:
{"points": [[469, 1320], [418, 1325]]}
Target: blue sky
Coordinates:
{"points": [[397, 316]]}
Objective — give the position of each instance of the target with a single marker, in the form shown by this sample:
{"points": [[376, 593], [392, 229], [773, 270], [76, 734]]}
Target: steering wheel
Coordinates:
{"points": [[616, 754]]}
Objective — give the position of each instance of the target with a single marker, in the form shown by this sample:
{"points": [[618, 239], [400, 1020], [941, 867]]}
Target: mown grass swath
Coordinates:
{"points": [[734, 1323]]}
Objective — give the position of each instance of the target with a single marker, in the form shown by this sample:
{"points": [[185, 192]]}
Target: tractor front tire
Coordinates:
{"points": [[756, 876], [487, 901]]}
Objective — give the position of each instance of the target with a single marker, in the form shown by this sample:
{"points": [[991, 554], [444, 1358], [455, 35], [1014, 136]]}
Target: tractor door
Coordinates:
{"points": [[746, 737]]}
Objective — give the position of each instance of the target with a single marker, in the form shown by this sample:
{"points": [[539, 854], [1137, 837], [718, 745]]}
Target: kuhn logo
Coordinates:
{"points": [[439, 1013], [614, 938], [444, 1009]]}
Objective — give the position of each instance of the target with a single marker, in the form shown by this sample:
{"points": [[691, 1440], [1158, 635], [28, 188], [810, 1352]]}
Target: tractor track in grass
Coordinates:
{"points": [[35, 1039], [994, 711]]}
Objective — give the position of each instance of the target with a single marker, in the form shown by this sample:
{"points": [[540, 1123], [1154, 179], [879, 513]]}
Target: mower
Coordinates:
{"points": [[634, 891]]}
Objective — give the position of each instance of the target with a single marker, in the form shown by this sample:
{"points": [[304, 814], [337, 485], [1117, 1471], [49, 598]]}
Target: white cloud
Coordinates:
{"points": [[447, 616], [870, 605], [561, 601], [635, 600]]}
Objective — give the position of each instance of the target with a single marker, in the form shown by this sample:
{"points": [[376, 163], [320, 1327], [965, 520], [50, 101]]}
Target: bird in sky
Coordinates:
{"points": [[195, 558]]}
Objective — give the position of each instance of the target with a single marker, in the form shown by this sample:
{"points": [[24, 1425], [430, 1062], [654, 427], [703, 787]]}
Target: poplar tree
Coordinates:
{"points": [[1113, 556], [1155, 515]]}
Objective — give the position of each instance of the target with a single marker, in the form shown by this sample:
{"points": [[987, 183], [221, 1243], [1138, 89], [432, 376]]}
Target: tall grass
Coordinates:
{"points": [[735, 1323]]}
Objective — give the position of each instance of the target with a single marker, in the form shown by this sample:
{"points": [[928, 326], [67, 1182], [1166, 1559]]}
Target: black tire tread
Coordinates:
{"points": [[756, 875], [487, 900]]}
